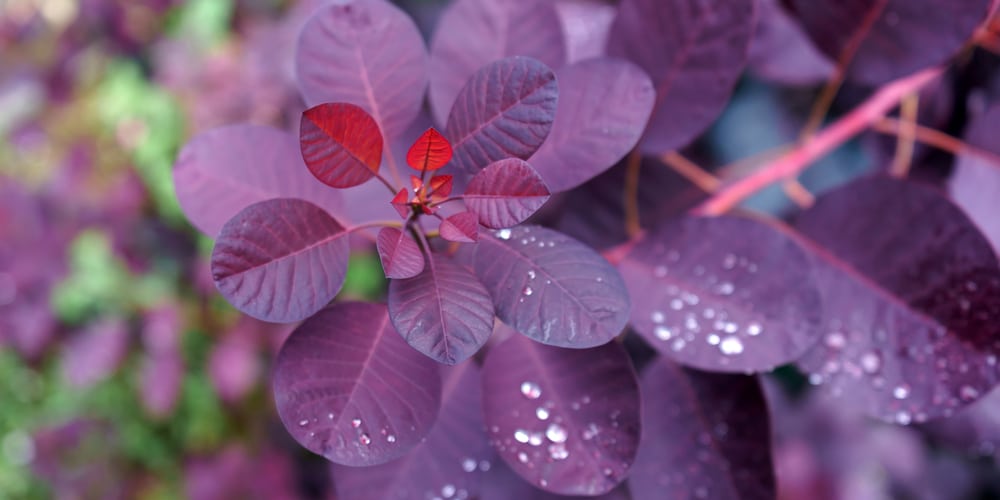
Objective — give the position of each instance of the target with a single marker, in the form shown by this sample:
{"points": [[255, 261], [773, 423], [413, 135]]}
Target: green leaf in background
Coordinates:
{"points": [[206, 23]]}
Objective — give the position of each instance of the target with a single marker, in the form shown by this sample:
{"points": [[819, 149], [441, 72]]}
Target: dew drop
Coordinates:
{"points": [[468, 464], [835, 340], [304, 422], [657, 317], [448, 491], [390, 438], [870, 362], [558, 451], [527, 291], [356, 423], [591, 431], [484, 465], [901, 392], [754, 329], [903, 418], [677, 304], [531, 390], [542, 413], [522, 457], [330, 416], [731, 328], [729, 261], [503, 234], [725, 288], [521, 436], [556, 433], [678, 344], [968, 392], [662, 332], [708, 313], [531, 274], [365, 438], [815, 379], [535, 439], [691, 323], [713, 339], [731, 346]]}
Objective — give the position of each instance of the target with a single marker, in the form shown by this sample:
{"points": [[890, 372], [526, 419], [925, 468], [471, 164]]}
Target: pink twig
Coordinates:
{"points": [[803, 155]]}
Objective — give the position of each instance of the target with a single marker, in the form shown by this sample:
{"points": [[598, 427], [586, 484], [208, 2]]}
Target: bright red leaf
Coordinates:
{"points": [[401, 203], [430, 151], [440, 187], [341, 144]]}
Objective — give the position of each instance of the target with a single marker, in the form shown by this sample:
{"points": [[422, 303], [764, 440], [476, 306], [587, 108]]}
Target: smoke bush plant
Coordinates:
{"points": [[883, 291]]}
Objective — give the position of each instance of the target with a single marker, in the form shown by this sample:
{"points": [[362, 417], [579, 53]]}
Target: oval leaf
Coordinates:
{"points": [[366, 52], [723, 293], [280, 260], [890, 38], [565, 420], [347, 387], [911, 294], [505, 110], [704, 435], [782, 52], [462, 227], [694, 50], [444, 312], [452, 461], [224, 170], [498, 29], [341, 144], [505, 193], [603, 108], [975, 182], [430, 151], [400, 255], [551, 287]]}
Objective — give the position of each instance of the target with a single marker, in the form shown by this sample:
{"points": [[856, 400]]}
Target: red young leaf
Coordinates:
{"points": [[401, 203], [341, 144], [400, 255], [441, 186], [505, 193], [430, 151], [416, 183], [462, 227]]}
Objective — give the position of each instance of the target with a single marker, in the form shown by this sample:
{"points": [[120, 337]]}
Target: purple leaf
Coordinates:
{"points": [[975, 182], [566, 420], [585, 24], [502, 483], [505, 193], [462, 227], [890, 38], [603, 108], [704, 435], [347, 387], [505, 110], [160, 381], [444, 312], [782, 52], [280, 260], [366, 52], [401, 256], [911, 294], [341, 144], [724, 293], [551, 287], [694, 50], [233, 366], [474, 33], [449, 464], [95, 352], [224, 170]]}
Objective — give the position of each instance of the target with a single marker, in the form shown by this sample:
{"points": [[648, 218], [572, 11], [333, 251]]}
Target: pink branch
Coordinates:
{"points": [[799, 158]]}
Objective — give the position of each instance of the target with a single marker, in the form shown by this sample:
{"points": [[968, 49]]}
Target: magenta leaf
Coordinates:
{"points": [[585, 25], [95, 352], [224, 170], [280, 260], [723, 293], [566, 420], [348, 388], [160, 382], [505, 110], [551, 287], [604, 105], [400, 255], [890, 38], [444, 312], [694, 50], [366, 52], [505, 193], [704, 435], [474, 33], [975, 182], [341, 144], [450, 463], [911, 294], [462, 227], [781, 51]]}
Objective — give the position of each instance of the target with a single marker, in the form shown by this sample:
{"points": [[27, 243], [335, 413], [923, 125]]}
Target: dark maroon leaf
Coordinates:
{"points": [[366, 52], [704, 435], [347, 387], [462, 227], [585, 25], [566, 420], [603, 108], [444, 312], [724, 293], [341, 144], [551, 287], [474, 33], [505, 110], [280, 260], [782, 52], [890, 38], [911, 294], [975, 182], [449, 464], [224, 170], [505, 193], [401, 256], [694, 50]]}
